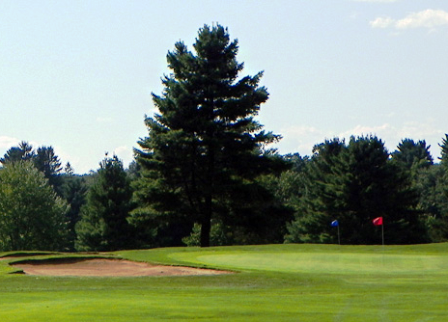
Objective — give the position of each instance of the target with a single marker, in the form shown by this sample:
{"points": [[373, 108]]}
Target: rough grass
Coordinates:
{"points": [[275, 283]]}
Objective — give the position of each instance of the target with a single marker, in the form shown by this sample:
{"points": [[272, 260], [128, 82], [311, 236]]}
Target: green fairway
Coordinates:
{"points": [[273, 283]]}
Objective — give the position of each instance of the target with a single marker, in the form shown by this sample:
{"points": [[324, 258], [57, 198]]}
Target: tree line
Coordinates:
{"points": [[206, 175]]}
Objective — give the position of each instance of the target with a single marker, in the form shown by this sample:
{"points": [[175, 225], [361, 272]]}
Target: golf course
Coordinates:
{"points": [[293, 282]]}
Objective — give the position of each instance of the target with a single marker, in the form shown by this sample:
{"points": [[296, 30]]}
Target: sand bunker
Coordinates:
{"points": [[107, 267]]}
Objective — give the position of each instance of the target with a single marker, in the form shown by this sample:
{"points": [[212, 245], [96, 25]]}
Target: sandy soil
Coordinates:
{"points": [[109, 267]]}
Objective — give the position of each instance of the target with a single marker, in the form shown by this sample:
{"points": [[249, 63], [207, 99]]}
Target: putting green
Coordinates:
{"points": [[330, 263]]}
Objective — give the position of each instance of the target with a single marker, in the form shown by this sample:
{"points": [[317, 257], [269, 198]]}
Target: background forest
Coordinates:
{"points": [[206, 175]]}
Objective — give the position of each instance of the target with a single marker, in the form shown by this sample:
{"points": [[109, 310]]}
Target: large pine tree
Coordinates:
{"points": [[205, 149]]}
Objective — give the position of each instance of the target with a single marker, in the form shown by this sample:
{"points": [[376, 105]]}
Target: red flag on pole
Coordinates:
{"points": [[378, 221]]}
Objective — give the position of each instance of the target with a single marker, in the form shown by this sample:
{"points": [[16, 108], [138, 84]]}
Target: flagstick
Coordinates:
{"points": [[339, 237], [382, 232]]}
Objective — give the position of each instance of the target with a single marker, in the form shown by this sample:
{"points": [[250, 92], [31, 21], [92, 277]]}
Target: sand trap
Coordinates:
{"points": [[107, 267]]}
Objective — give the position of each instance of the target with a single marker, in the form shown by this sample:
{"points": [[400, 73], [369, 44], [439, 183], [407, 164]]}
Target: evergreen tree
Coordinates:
{"points": [[354, 184], [321, 202], [444, 151], [46, 161], [433, 188], [433, 202], [378, 188], [205, 149], [74, 191], [68, 169], [22, 152], [133, 170], [296, 161], [103, 225], [413, 157]]}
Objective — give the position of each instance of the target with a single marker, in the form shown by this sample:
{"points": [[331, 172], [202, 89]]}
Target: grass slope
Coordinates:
{"points": [[275, 283]]}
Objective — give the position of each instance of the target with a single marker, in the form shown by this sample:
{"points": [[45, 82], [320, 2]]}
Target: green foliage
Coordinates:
{"points": [[205, 149], [290, 186], [321, 185], [103, 225], [32, 217], [267, 229], [354, 184], [218, 236], [429, 181], [412, 157], [444, 152], [433, 193], [22, 152], [410, 153], [46, 161], [74, 190]]}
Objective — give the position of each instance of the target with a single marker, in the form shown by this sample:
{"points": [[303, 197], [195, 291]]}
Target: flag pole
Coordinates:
{"points": [[379, 222], [335, 223], [339, 237]]}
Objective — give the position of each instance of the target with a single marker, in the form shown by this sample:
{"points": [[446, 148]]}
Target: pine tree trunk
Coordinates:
{"points": [[206, 223], [208, 206]]}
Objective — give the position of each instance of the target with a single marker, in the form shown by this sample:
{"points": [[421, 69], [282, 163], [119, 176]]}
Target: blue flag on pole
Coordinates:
{"points": [[334, 223]]}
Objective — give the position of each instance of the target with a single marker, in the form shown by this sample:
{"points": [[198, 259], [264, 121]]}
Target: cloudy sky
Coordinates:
{"points": [[78, 75]]}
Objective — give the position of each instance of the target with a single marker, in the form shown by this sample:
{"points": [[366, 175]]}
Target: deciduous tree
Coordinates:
{"points": [[31, 215]]}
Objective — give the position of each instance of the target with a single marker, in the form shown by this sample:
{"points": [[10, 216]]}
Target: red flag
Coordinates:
{"points": [[378, 221]]}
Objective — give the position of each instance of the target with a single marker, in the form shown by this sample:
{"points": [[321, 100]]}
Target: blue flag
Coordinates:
{"points": [[334, 223]]}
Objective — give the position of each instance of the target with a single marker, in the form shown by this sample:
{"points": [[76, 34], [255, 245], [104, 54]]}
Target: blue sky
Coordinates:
{"points": [[78, 75]]}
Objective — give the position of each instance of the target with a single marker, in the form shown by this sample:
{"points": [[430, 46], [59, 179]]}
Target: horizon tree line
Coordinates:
{"points": [[206, 175], [334, 183]]}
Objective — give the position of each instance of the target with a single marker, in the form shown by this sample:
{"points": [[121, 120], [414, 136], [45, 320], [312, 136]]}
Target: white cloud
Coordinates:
{"points": [[361, 130], [125, 154], [302, 139], [392, 135], [381, 22], [429, 18], [7, 142], [65, 157], [425, 129], [424, 19]]}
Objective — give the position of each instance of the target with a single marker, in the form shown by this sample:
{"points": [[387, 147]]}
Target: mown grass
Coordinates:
{"points": [[274, 283]]}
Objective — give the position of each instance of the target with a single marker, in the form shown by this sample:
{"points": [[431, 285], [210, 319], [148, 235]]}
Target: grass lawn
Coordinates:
{"points": [[274, 283]]}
